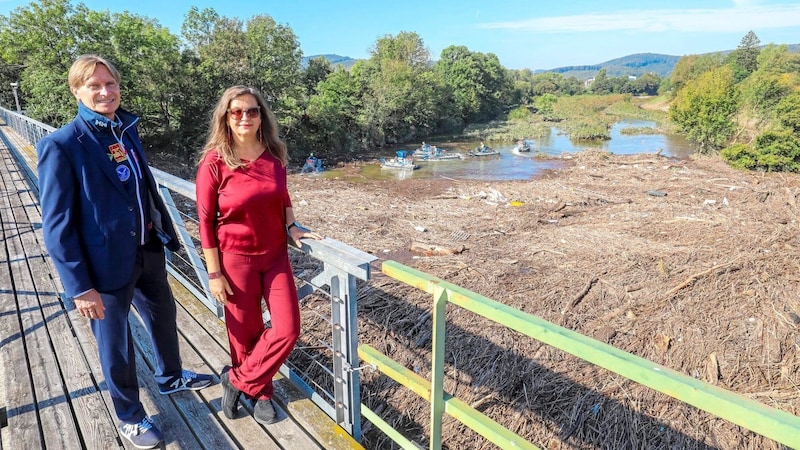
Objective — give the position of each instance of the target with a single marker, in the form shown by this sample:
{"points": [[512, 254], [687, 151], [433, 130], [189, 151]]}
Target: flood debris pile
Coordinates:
{"points": [[690, 264]]}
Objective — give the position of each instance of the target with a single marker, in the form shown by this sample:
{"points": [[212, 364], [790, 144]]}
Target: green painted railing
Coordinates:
{"points": [[770, 422]]}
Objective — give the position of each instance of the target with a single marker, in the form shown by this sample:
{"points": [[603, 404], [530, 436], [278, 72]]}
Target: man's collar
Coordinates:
{"points": [[96, 120]]}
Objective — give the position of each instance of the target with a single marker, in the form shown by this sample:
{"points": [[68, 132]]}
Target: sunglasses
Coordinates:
{"points": [[251, 113]]}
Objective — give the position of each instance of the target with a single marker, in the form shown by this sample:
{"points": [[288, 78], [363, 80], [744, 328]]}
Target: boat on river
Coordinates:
{"points": [[399, 162], [483, 150], [432, 153], [521, 147]]}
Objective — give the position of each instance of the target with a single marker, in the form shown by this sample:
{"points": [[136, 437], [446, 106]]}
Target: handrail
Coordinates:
{"points": [[770, 422]]}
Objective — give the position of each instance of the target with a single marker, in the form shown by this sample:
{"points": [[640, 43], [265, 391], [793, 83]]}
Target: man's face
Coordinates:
{"points": [[100, 92]]}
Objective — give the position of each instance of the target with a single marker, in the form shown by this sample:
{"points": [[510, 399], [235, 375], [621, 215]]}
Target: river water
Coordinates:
{"points": [[510, 166]]}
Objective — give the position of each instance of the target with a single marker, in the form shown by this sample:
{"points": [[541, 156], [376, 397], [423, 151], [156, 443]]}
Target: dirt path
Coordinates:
{"points": [[690, 264]]}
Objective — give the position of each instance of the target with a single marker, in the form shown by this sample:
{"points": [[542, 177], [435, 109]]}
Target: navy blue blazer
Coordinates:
{"points": [[90, 221]]}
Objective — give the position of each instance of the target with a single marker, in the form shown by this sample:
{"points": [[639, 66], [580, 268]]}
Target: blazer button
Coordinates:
{"points": [[130, 208], [133, 233]]}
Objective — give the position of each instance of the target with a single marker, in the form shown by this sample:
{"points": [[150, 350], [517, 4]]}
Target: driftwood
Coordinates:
{"points": [[434, 250], [578, 298], [694, 277]]}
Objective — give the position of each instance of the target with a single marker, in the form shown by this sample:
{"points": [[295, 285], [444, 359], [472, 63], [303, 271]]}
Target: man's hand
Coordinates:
{"points": [[90, 305]]}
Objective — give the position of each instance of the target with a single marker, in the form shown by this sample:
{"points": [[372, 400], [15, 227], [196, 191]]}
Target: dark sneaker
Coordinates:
{"points": [[264, 412], [143, 434], [230, 395], [188, 381]]}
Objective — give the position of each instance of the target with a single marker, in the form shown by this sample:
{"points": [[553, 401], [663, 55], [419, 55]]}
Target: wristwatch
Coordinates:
{"points": [[293, 224]]}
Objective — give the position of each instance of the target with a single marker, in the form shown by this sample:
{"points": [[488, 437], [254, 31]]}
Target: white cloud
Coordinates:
{"points": [[738, 19]]}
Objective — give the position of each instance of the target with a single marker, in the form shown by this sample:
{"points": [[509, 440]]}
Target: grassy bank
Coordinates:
{"points": [[583, 117]]}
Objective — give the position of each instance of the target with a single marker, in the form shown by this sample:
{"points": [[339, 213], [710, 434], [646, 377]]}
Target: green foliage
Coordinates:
{"points": [[507, 131], [545, 105], [520, 113], [788, 112], [689, 68], [394, 96], [317, 70], [479, 85], [744, 60], [772, 151], [554, 83], [704, 108]]}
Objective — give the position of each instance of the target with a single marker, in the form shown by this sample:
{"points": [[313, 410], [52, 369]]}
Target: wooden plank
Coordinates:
{"points": [[192, 406], [96, 422], [200, 349], [21, 410], [55, 411]]}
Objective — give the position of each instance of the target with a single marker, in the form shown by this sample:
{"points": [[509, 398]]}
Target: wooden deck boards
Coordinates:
{"points": [[52, 388]]}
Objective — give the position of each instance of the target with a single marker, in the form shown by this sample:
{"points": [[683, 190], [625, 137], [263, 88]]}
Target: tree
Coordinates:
{"points": [[262, 54], [479, 84], [46, 37], [788, 112], [688, 68], [745, 57], [318, 69], [545, 105], [398, 95], [332, 113], [705, 107]]}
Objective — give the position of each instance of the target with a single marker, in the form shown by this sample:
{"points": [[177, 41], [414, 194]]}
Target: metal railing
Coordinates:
{"points": [[770, 422], [342, 267]]}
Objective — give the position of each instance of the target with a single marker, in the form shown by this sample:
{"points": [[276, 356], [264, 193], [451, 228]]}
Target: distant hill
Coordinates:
{"points": [[637, 64], [335, 60]]}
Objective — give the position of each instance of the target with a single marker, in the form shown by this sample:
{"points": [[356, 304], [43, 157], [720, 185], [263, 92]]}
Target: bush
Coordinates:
{"points": [[520, 113], [773, 151]]}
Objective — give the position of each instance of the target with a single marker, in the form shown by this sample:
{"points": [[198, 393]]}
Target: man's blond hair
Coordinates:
{"points": [[83, 68]]}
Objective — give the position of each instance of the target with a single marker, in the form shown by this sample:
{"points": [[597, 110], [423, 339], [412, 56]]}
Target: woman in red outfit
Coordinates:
{"points": [[245, 217]]}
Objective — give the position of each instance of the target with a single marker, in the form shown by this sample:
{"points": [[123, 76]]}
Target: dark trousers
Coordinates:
{"points": [[150, 294], [258, 352]]}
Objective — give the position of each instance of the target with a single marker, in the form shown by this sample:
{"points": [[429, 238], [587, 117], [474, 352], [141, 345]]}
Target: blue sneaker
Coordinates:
{"points": [[188, 381], [143, 434]]}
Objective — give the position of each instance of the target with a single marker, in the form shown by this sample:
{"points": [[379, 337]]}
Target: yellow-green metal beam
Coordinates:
{"points": [[469, 416], [770, 422]]}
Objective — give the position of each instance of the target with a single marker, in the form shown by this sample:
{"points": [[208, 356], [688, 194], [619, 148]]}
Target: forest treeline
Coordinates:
{"points": [[397, 95]]}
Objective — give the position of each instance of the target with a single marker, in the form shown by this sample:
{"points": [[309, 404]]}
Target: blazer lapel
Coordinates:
{"points": [[97, 154]]}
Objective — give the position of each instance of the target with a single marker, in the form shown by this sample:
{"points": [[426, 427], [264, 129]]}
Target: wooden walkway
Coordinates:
{"points": [[52, 391]]}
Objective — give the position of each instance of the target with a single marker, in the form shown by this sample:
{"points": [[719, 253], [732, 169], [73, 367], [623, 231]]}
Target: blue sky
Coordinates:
{"points": [[532, 34]]}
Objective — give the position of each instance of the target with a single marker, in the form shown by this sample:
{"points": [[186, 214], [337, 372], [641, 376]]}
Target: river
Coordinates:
{"points": [[510, 166]]}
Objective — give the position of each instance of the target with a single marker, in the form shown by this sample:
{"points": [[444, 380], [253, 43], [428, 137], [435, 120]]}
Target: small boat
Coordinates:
{"points": [[400, 162], [521, 147], [431, 153], [443, 157], [483, 150], [312, 165]]}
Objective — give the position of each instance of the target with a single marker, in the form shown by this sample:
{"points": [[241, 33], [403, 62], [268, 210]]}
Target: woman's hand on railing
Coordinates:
{"points": [[298, 232]]}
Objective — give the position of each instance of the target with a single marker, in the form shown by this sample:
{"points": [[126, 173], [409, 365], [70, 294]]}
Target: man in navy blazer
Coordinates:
{"points": [[105, 227]]}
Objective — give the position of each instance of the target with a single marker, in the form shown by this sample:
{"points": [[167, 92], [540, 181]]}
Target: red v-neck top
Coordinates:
{"points": [[242, 211]]}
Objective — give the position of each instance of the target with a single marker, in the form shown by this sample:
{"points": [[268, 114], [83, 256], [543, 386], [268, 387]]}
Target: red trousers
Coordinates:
{"points": [[257, 352]]}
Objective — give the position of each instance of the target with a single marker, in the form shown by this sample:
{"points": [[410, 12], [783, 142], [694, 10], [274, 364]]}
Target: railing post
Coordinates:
{"points": [[347, 383], [437, 366], [192, 255]]}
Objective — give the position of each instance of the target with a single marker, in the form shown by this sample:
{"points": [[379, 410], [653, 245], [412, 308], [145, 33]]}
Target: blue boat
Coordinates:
{"points": [[400, 162]]}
